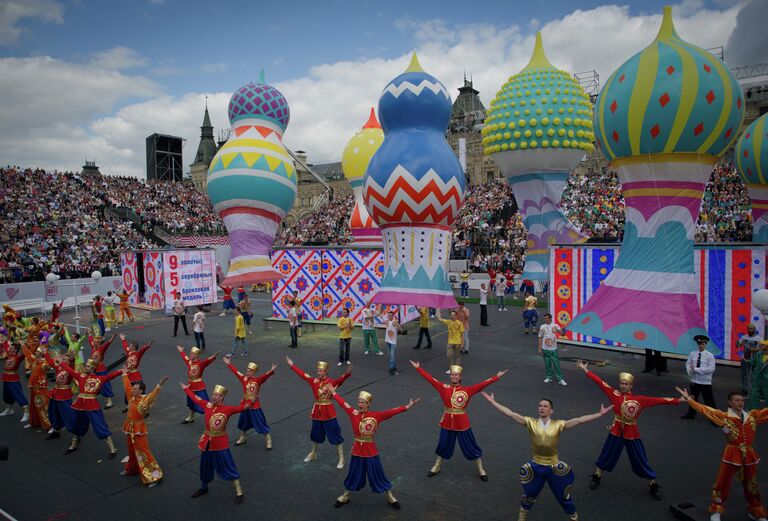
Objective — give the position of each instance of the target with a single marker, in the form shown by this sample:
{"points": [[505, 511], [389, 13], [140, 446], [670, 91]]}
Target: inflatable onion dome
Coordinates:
{"points": [[540, 107], [259, 101], [670, 98], [752, 152], [360, 149], [414, 99]]}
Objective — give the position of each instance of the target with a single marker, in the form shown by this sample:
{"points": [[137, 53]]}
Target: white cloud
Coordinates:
{"points": [[118, 58], [11, 11], [83, 116], [214, 68]]}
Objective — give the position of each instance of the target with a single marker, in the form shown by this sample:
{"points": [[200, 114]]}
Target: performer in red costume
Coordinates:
{"points": [[323, 414], [195, 369], [87, 408], [455, 423], [214, 443], [253, 417], [227, 302], [624, 433], [739, 455], [133, 358], [99, 353], [56, 311], [12, 391], [38, 387], [60, 411], [365, 462]]}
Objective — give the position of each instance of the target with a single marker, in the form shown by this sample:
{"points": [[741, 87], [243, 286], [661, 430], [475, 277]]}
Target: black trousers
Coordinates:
{"points": [[424, 331], [654, 361], [344, 344], [701, 390], [483, 315], [176, 319]]}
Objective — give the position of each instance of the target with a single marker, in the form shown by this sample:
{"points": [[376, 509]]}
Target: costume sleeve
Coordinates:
{"points": [[607, 389], [341, 379], [429, 378], [760, 415], [149, 400], [106, 344], [235, 372], [304, 376], [127, 386], [385, 415], [74, 374], [715, 416], [125, 346], [195, 398], [263, 378], [344, 405], [474, 389], [653, 401], [111, 376]]}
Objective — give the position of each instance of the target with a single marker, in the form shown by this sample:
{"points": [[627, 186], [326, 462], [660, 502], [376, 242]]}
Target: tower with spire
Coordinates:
{"points": [[205, 152]]}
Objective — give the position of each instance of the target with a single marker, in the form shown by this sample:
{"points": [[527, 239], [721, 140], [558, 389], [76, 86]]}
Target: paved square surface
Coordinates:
{"points": [[39, 482]]}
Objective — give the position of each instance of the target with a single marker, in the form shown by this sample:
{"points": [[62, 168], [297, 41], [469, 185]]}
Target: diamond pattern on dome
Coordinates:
{"points": [[621, 78], [710, 97], [663, 100], [615, 136], [613, 107], [655, 131], [670, 70], [707, 68], [699, 129], [259, 100]]}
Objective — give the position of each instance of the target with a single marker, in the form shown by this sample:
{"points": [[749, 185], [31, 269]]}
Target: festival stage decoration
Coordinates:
{"points": [[725, 278], [752, 164], [539, 127], [252, 180], [663, 119], [354, 162], [413, 188]]}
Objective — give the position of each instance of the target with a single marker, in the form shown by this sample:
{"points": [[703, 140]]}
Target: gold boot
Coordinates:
{"points": [[435, 470], [523, 515], [340, 451], [73, 446], [268, 441], [239, 496], [190, 417], [111, 446], [343, 499], [392, 500], [312, 456], [480, 469], [242, 439]]}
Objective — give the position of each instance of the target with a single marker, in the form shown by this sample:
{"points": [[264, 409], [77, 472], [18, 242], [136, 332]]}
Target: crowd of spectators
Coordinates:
{"points": [[54, 222], [58, 221]]}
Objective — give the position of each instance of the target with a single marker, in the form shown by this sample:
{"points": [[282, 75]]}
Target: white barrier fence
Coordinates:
{"points": [[40, 296]]}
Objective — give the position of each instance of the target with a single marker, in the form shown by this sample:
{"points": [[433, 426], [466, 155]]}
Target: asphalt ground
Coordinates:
{"points": [[39, 482]]}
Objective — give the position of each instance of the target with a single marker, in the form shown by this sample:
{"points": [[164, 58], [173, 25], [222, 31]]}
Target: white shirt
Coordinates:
{"points": [[178, 306], [748, 341], [198, 322], [110, 300], [483, 297], [390, 335], [500, 287], [548, 334], [368, 318], [702, 374], [293, 317]]}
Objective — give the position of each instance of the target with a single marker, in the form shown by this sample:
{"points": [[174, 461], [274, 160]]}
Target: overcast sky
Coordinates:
{"points": [[90, 78]]}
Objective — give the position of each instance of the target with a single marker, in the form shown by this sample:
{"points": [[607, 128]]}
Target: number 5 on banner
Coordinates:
{"points": [[174, 279]]}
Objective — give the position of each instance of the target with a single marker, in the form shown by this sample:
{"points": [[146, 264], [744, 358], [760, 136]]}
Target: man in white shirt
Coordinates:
{"points": [[179, 314], [293, 323], [749, 345], [500, 289], [483, 305], [548, 333], [369, 330], [198, 326], [700, 367]]}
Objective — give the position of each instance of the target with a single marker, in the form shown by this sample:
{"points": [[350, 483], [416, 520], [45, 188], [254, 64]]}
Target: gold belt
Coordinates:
{"points": [[10, 372], [133, 370], [625, 421], [86, 396], [215, 434], [62, 387], [195, 380], [449, 410], [364, 440], [323, 402]]}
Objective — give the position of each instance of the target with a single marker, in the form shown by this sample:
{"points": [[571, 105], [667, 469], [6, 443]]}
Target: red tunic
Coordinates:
{"points": [[90, 386], [227, 292], [627, 408], [323, 409], [11, 368], [195, 371], [62, 390], [741, 432], [216, 418], [132, 361], [99, 352], [364, 427], [251, 385], [455, 400]]}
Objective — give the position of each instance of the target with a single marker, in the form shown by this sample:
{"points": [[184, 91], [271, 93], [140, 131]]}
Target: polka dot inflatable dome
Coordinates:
{"points": [[670, 98], [259, 101], [540, 107]]}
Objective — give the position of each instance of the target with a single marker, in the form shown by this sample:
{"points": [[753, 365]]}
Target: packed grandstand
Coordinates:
{"points": [[73, 225]]}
